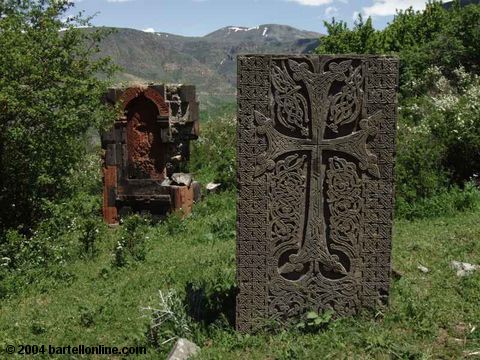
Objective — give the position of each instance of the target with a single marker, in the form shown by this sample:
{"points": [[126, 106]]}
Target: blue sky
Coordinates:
{"points": [[200, 17]]}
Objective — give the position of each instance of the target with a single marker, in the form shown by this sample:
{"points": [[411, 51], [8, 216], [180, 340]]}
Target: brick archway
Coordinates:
{"points": [[134, 92]]}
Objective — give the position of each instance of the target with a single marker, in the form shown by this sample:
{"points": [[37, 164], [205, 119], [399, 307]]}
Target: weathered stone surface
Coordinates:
{"points": [[316, 144], [183, 350], [146, 153], [212, 187], [423, 269], [197, 191], [146, 145], [166, 182], [182, 198], [182, 179], [464, 269]]}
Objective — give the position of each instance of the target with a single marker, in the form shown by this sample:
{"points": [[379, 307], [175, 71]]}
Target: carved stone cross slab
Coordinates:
{"points": [[316, 143]]}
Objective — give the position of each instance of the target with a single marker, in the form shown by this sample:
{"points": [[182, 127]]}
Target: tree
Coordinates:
{"points": [[51, 92], [438, 132], [362, 38], [438, 37]]}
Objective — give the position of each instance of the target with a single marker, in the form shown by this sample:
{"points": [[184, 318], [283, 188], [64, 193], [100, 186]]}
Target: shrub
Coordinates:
{"points": [[439, 124], [419, 172], [439, 136], [168, 319], [132, 245], [69, 230], [212, 301], [50, 96], [422, 39], [88, 238], [174, 223], [214, 154], [445, 203], [454, 119]]}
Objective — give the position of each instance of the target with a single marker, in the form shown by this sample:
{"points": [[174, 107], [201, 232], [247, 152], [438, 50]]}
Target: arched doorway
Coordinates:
{"points": [[146, 155]]}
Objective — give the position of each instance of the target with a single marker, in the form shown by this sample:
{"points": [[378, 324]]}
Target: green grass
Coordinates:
{"points": [[94, 302]]}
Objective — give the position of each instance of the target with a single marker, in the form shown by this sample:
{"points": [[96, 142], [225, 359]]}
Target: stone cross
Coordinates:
{"points": [[315, 170]]}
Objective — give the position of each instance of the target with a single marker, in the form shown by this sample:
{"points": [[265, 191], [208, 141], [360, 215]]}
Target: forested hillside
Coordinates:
{"points": [[209, 62]]}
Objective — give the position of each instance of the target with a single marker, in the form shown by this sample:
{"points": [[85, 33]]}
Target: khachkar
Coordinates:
{"points": [[146, 149], [316, 145]]}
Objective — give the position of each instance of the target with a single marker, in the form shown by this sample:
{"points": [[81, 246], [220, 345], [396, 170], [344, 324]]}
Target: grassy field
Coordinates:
{"points": [[96, 300]]}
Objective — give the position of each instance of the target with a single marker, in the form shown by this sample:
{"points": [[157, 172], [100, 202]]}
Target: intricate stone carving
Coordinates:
{"points": [[146, 145], [315, 176]]}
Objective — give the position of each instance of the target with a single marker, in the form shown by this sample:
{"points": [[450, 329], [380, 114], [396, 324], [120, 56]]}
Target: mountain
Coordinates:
{"points": [[449, 5], [262, 32], [209, 62]]}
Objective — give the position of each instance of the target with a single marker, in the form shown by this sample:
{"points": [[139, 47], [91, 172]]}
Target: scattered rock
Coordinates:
{"points": [[471, 353], [423, 269], [212, 187], [166, 182], [463, 269], [183, 350], [182, 179]]}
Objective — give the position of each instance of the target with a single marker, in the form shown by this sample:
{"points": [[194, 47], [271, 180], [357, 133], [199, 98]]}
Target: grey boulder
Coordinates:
{"points": [[183, 350]]}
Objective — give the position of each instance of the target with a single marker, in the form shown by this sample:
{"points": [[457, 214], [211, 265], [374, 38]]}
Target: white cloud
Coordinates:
{"points": [[312, 2], [355, 15], [388, 7], [331, 10], [149, 30]]}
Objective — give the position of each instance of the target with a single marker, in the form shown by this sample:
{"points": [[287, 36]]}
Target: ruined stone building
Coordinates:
{"points": [[148, 146]]}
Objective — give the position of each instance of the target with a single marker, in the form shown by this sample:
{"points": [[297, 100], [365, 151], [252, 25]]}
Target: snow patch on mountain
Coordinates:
{"points": [[242, 28]]}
